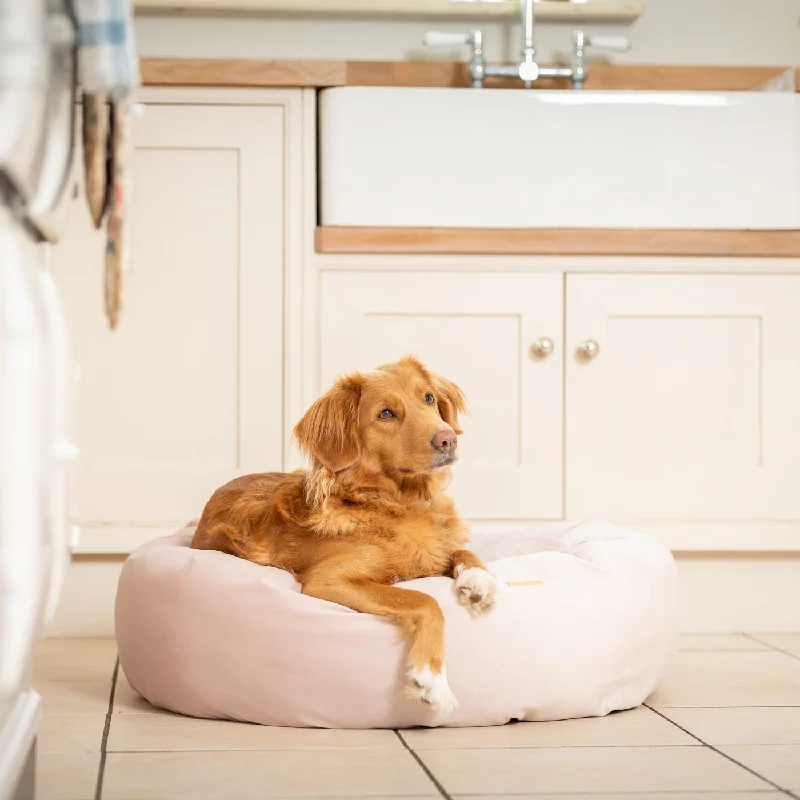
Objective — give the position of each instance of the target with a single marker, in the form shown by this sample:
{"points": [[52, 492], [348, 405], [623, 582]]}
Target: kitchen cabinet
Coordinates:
{"points": [[669, 400], [689, 410], [683, 422], [477, 329], [187, 393]]}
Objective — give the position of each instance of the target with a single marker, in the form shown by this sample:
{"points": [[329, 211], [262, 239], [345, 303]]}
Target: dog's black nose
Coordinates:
{"points": [[445, 441]]}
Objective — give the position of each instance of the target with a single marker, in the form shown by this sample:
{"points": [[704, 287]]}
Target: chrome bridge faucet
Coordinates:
{"points": [[527, 70]]}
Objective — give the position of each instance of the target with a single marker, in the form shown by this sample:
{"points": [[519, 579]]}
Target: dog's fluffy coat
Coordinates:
{"points": [[370, 512]]}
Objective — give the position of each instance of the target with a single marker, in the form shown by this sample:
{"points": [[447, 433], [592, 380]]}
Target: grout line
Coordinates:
{"points": [[98, 792], [772, 647], [724, 755], [423, 766]]}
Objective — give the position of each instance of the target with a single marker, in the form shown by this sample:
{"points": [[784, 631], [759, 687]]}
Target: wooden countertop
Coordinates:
{"points": [[320, 74], [558, 242], [245, 72]]}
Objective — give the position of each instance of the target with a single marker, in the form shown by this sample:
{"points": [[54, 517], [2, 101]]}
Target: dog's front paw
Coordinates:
{"points": [[431, 688], [477, 590]]}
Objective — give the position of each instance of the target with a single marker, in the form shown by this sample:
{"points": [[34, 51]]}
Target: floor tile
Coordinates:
{"points": [[74, 659], [588, 769], [172, 732], [71, 733], [66, 776], [754, 678], [628, 728], [129, 701], [779, 763], [246, 775], [768, 795], [718, 641], [719, 726], [74, 697], [783, 641]]}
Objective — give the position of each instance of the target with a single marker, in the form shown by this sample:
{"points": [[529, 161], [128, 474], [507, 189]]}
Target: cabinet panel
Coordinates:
{"points": [[477, 330], [187, 392], [689, 410]]}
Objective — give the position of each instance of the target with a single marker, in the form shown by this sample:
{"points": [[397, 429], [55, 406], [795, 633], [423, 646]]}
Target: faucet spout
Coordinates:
{"points": [[528, 21], [528, 69]]}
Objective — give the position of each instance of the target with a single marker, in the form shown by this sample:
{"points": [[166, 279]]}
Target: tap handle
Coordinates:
{"points": [[446, 39], [618, 43]]}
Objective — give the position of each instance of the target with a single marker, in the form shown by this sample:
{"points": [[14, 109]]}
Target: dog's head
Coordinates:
{"points": [[400, 420]]}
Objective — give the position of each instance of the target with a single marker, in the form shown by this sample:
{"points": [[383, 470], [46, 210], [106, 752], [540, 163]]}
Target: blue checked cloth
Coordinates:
{"points": [[107, 60]]}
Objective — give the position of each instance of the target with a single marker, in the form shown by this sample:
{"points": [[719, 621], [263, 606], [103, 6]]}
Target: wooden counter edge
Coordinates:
{"points": [[242, 72], [252, 72], [558, 241], [613, 77]]}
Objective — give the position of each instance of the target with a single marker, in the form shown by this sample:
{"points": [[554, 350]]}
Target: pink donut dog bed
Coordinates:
{"points": [[587, 626]]}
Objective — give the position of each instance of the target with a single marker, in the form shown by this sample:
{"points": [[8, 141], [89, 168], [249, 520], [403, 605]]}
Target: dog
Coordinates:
{"points": [[370, 512]]}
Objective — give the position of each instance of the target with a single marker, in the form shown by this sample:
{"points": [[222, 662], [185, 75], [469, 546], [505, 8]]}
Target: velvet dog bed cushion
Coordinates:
{"points": [[587, 626]]}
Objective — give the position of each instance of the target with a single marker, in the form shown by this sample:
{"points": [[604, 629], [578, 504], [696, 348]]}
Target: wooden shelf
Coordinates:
{"points": [[549, 10]]}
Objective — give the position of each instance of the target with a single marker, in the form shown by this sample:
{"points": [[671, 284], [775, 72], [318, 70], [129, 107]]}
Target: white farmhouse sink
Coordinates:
{"points": [[515, 158]]}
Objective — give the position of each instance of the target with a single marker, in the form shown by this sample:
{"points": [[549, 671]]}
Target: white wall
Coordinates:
{"points": [[670, 31]]}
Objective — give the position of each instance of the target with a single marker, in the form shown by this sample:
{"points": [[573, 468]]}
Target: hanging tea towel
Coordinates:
{"points": [[107, 60], [108, 73]]}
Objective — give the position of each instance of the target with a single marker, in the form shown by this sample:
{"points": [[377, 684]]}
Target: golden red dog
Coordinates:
{"points": [[370, 512]]}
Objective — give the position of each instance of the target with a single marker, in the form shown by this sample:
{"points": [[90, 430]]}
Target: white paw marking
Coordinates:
{"points": [[476, 589], [431, 688]]}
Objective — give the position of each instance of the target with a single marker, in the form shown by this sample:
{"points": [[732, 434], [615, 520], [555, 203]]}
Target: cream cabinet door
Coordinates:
{"points": [[476, 329], [187, 392], [690, 409]]}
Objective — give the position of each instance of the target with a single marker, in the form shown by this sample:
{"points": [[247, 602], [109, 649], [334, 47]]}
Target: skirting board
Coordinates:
{"points": [[104, 539], [719, 594], [687, 537]]}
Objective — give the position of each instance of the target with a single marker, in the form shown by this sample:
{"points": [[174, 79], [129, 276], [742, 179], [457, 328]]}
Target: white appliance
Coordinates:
{"points": [[37, 116]]}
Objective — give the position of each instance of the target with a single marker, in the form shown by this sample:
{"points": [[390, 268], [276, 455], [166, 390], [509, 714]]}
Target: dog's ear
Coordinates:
{"points": [[328, 432], [451, 401]]}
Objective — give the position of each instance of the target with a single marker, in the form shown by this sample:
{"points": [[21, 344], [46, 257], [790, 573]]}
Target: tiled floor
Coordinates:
{"points": [[726, 724]]}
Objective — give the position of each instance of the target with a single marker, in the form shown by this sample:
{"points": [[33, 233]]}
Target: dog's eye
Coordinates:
{"points": [[429, 399], [387, 413]]}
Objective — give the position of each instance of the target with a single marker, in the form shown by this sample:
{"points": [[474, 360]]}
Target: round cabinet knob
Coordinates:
{"points": [[542, 348], [587, 351]]}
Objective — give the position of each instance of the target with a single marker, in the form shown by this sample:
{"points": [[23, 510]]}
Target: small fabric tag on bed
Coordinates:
{"points": [[517, 572]]}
